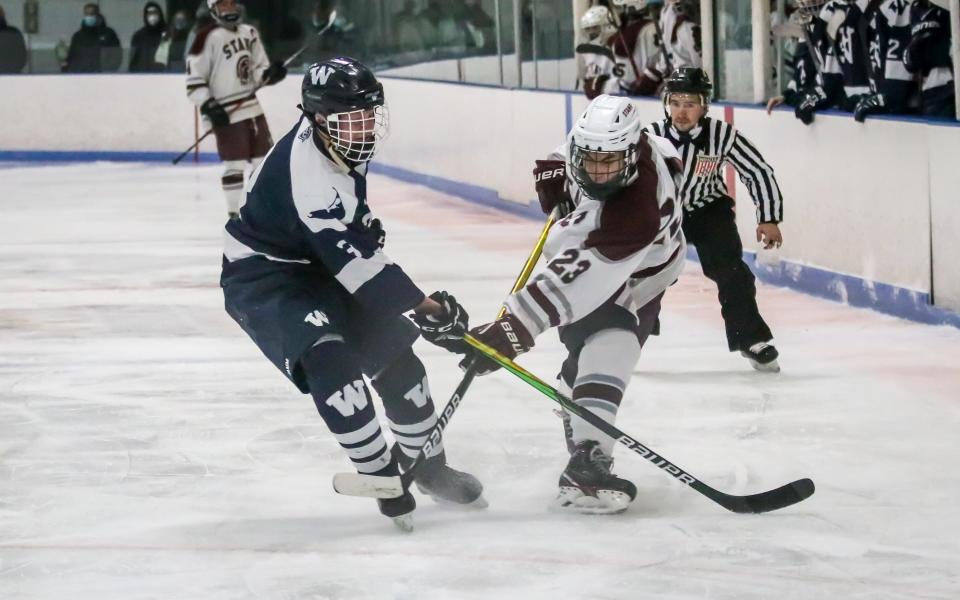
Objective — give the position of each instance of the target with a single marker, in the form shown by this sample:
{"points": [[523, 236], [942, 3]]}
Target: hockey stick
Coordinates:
{"points": [[374, 486], [780, 497], [626, 48], [253, 94]]}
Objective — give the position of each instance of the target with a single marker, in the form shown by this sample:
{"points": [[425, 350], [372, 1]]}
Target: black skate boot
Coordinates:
{"points": [[763, 357], [588, 486], [445, 485], [399, 509]]}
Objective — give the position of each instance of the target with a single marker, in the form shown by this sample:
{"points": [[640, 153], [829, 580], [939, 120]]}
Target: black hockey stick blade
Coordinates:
{"points": [[761, 502]]}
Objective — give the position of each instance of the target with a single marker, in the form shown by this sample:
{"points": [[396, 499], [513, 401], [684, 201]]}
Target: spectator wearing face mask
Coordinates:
{"points": [[173, 46], [146, 40], [95, 47], [13, 52]]}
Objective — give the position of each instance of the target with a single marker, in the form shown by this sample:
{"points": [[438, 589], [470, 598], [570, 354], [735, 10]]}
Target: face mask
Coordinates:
{"points": [[230, 18], [180, 24], [90, 20], [153, 19]]}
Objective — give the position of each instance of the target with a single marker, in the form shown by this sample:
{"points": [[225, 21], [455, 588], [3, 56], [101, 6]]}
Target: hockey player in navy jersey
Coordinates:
{"points": [[305, 276], [610, 260], [709, 220]]}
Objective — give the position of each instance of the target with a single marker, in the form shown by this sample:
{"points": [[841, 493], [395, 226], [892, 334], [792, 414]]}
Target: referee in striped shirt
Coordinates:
{"points": [[709, 222]]}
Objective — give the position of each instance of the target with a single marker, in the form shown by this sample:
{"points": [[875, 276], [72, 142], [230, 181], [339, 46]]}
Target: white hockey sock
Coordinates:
{"points": [[603, 371], [232, 182]]}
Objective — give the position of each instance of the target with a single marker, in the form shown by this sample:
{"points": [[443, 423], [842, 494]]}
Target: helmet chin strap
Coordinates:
{"points": [[322, 141]]}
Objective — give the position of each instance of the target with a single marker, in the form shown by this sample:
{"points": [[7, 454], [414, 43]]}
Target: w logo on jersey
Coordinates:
{"points": [[320, 74], [419, 394], [706, 165], [350, 399], [317, 318]]}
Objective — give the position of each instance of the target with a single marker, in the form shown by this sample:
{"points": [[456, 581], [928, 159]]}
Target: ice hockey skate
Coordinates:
{"points": [[762, 357], [588, 486], [400, 510], [445, 485]]}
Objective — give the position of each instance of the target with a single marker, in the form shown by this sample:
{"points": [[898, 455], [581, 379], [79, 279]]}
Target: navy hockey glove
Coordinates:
{"points": [[212, 110], [871, 104], [447, 328], [506, 335], [550, 181], [808, 104], [376, 230], [274, 73]]}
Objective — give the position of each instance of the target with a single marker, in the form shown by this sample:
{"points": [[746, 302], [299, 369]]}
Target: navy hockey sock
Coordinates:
{"points": [[342, 399], [406, 398]]}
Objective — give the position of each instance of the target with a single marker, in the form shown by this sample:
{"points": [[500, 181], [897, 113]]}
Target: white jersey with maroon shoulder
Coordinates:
{"points": [[227, 65], [681, 40], [629, 247], [635, 47]]}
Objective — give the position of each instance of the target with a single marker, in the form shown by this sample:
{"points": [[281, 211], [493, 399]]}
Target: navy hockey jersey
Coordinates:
{"points": [[304, 206]]}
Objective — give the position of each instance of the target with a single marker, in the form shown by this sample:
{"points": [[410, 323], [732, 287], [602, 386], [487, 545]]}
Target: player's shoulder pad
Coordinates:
{"points": [[630, 219], [633, 28], [661, 145], [666, 149], [202, 34]]}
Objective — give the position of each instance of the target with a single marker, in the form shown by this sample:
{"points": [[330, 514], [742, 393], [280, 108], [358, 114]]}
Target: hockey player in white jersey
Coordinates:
{"points": [[619, 60], [609, 263], [305, 276], [226, 64]]}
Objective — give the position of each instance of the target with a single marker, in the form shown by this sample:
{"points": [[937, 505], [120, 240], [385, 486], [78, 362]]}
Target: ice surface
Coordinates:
{"points": [[147, 450]]}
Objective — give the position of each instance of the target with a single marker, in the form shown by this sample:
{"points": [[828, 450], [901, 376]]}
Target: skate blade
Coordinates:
{"points": [[404, 522], [771, 367], [606, 502], [368, 486]]}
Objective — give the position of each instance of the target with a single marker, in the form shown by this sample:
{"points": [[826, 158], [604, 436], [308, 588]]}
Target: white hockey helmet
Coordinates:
{"points": [[603, 146], [224, 18], [597, 22]]}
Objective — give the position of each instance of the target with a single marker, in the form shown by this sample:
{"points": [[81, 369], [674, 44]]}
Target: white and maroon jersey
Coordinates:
{"points": [[629, 247], [635, 47], [681, 40], [617, 65], [599, 69], [227, 65]]}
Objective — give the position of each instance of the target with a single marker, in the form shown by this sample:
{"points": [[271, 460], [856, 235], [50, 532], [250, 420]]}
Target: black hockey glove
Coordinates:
{"points": [[447, 328], [808, 104], [871, 104], [274, 73], [550, 181], [376, 230], [923, 34], [212, 110], [506, 335]]}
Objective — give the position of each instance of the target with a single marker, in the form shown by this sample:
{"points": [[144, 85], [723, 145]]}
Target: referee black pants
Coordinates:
{"points": [[713, 231]]}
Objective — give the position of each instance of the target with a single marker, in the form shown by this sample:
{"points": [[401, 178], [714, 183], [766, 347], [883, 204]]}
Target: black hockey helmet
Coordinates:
{"points": [[340, 84], [688, 80], [347, 95]]}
